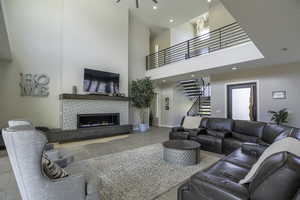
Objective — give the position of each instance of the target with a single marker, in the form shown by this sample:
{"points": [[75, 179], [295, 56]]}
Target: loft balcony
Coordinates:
{"points": [[224, 46]]}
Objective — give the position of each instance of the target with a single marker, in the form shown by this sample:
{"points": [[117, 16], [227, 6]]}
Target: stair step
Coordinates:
{"points": [[204, 113], [188, 81], [205, 109], [192, 88], [190, 84], [189, 91]]}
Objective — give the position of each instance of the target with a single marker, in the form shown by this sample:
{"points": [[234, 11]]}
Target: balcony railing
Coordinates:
{"points": [[221, 38]]}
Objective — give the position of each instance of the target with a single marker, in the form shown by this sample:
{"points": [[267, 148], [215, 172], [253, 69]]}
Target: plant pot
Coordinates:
{"points": [[143, 127]]}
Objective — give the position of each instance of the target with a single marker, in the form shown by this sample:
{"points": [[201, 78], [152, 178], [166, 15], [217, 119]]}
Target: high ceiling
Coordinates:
{"points": [[158, 20]]}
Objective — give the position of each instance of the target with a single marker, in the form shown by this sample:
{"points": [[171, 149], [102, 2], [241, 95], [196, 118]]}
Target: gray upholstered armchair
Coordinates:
{"points": [[25, 146], [60, 156]]}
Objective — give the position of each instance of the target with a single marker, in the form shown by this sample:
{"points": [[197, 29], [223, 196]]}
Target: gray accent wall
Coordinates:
{"points": [[273, 78]]}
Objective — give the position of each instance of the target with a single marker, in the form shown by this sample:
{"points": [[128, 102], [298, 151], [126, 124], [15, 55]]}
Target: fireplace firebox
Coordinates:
{"points": [[98, 120]]}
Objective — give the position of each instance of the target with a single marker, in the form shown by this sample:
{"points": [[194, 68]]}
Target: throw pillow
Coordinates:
{"points": [[191, 122], [51, 169]]}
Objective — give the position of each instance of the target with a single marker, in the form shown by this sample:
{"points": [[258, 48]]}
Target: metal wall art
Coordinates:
{"points": [[34, 85]]}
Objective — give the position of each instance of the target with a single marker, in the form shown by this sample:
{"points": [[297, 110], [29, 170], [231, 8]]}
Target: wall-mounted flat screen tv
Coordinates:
{"points": [[101, 82]]}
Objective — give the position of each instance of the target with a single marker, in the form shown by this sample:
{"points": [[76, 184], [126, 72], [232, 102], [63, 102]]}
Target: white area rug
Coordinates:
{"points": [[141, 174]]}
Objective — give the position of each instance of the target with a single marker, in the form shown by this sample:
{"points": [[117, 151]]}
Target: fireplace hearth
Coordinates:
{"points": [[98, 120]]}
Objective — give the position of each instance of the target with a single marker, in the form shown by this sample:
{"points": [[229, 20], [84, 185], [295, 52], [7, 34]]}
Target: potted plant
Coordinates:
{"points": [[142, 93], [279, 117]]}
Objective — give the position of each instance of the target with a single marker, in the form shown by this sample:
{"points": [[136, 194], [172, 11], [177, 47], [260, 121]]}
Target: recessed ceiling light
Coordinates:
{"points": [[171, 20], [155, 7], [208, 1], [192, 75], [164, 81], [234, 68]]}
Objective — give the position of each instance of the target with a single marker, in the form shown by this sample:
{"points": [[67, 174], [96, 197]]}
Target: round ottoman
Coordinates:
{"points": [[183, 152]]}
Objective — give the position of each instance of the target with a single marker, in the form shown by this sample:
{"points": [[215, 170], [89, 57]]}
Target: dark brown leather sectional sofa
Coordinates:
{"points": [[243, 141]]}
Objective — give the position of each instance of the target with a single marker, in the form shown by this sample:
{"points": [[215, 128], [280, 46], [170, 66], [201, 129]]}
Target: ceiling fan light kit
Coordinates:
{"points": [[137, 2]]}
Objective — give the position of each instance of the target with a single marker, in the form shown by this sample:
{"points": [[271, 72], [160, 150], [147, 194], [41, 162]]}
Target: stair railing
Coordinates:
{"points": [[227, 36]]}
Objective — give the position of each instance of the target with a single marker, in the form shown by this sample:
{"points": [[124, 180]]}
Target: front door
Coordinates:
{"points": [[242, 101]]}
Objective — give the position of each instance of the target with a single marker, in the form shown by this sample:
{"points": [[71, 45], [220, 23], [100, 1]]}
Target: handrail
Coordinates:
{"points": [[227, 36]]}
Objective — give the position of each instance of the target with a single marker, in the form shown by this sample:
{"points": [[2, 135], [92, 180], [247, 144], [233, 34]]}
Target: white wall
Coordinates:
{"points": [[139, 38], [163, 40], [273, 78], [219, 15], [182, 33], [34, 31], [179, 105], [59, 38], [95, 35]]}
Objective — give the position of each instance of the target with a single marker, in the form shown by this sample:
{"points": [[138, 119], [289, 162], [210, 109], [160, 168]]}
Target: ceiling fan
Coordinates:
{"points": [[138, 2]]}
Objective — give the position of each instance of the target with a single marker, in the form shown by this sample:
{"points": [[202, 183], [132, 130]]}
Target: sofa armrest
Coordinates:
{"points": [[197, 131], [75, 185], [177, 129], [219, 134], [253, 149], [219, 188]]}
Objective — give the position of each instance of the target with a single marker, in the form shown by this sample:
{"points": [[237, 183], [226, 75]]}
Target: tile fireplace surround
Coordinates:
{"points": [[70, 108]]}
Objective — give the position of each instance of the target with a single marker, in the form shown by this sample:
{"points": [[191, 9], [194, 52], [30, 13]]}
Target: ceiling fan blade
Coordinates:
{"points": [[155, 1], [137, 4], [118, 1]]}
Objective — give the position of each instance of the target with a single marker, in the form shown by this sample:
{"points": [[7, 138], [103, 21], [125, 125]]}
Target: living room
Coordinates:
{"points": [[129, 99]]}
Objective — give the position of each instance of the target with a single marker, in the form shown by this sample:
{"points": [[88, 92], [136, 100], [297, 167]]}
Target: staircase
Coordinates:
{"points": [[197, 90]]}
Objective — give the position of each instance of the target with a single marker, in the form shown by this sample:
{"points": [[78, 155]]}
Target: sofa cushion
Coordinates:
{"points": [[244, 138], [179, 135], [220, 124], [228, 170], [231, 144], [271, 131], [249, 128], [204, 122], [219, 134], [241, 159], [208, 143]]}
